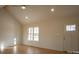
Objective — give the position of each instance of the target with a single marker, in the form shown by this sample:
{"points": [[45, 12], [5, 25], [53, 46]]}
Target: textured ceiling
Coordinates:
{"points": [[39, 12]]}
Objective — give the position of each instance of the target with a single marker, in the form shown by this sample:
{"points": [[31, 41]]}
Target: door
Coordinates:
{"points": [[71, 38]]}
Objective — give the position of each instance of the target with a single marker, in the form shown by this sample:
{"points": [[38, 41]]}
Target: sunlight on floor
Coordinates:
{"points": [[14, 49], [2, 47]]}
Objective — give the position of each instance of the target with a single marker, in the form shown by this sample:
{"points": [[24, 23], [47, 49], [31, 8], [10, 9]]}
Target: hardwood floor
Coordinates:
{"points": [[23, 49]]}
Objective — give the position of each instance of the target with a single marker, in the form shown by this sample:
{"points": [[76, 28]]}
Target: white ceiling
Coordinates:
{"points": [[39, 12]]}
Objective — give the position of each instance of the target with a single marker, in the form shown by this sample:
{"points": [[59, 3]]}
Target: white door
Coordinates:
{"points": [[71, 38]]}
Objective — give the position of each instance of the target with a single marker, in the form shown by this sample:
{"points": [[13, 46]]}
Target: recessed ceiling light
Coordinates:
{"points": [[23, 7], [26, 17], [52, 9]]}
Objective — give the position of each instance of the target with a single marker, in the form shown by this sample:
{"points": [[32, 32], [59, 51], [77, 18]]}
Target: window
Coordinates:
{"points": [[33, 34], [70, 27], [14, 41]]}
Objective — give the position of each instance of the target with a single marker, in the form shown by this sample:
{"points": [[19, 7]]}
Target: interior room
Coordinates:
{"points": [[39, 29]]}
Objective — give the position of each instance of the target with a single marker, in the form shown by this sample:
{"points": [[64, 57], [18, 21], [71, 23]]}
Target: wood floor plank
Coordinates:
{"points": [[25, 49]]}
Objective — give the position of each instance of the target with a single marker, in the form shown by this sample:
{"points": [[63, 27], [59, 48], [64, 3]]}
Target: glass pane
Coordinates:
{"points": [[68, 28], [73, 27], [28, 37], [31, 36], [36, 29], [31, 30], [36, 38], [36, 34]]}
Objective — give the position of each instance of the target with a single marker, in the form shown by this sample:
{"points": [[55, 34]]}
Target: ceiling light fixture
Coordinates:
{"points": [[23, 7], [52, 10], [26, 17]]}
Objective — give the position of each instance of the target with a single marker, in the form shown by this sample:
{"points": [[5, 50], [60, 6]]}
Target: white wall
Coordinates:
{"points": [[52, 32], [9, 29]]}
